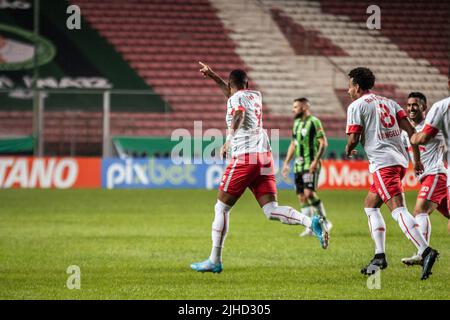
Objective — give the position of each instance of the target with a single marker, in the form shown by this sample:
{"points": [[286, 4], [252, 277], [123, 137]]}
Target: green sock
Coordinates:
{"points": [[318, 205]]}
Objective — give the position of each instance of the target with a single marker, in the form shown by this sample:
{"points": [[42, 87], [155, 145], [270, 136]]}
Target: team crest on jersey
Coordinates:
{"points": [[299, 161], [304, 131]]}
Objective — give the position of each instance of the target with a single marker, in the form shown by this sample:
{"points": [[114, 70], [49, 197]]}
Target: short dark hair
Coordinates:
{"points": [[302, 100], [363, 77], [238, 78], [418, 95]]}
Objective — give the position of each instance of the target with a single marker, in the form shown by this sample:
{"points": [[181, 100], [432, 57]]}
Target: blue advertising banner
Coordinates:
{"points": [[163, 173]]}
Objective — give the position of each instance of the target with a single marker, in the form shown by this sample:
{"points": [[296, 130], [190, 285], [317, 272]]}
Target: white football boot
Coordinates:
{"points": [[328, 224], [306, 233], [416, 259]]}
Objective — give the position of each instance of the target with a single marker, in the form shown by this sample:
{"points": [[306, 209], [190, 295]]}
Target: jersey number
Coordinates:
{"points": [[387, 119]]}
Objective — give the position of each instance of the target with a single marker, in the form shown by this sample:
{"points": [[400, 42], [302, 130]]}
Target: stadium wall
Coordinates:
{"points": [[151, 173]]}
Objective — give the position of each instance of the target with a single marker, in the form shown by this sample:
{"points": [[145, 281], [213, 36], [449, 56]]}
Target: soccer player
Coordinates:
{"points": [[308, 144], [251, 167], [437, 119], [377, 122], [433, 193]]}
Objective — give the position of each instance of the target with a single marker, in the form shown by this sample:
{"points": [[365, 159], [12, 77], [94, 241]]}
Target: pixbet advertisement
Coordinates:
{"points": [[114, 173]]}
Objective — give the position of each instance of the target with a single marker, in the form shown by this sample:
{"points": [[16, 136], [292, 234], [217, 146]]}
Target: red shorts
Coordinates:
{"points": [[387, 182], [252, 170], [434, 188]]}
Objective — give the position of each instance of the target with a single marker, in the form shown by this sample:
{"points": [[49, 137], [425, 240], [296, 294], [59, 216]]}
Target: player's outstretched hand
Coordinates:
{"points": [[206, 70], [351, 154], [313, 167]]}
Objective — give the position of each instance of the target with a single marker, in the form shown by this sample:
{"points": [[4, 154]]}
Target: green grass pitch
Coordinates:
{"points": [[138, 244]]}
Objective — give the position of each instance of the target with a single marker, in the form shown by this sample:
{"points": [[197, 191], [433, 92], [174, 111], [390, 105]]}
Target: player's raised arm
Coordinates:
{"points": [[209, 73]]}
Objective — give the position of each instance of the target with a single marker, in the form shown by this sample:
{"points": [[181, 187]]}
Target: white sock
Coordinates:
{"points": [[410, 228], [377, 228], [307, 211], [219, 230], [285, 214], [423, 220]]}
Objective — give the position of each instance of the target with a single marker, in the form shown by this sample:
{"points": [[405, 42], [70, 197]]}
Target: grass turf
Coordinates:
{"points": [[138, 244]]}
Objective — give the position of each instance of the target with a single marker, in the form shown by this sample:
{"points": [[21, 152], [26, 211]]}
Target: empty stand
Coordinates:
{"points": [[421, 28], [397, 70], [304, 41], [280, 73], [163, 41]]}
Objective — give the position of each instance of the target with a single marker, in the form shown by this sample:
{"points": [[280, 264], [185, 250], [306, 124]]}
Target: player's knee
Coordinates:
{"points": [[302, 198], [309, 194], [372, 200], [221, 207]]}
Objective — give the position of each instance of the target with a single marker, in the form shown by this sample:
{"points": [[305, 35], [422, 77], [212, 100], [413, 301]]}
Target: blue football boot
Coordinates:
{"points": [[320, 231], [207, 266]]}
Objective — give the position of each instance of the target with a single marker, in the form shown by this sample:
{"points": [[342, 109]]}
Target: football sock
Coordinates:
{"points": [[377, 228], [306, 209], [219, 230], [285, 214], [423, 220], [318, 205], [410, 228]]}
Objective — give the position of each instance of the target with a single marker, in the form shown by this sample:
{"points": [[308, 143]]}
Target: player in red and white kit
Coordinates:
{"points": [[378, 123], [437, 120], [433, 191], [251, 167]]}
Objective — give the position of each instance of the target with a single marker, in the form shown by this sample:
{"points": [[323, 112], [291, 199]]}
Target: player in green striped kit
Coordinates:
{"points": [[308, 146]]}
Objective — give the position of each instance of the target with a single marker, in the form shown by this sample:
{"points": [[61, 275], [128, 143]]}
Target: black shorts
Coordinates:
{"points": [[305, 180]]}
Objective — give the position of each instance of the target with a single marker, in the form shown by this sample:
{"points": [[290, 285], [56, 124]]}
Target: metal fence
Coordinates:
{"points": [[67, 114]]}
